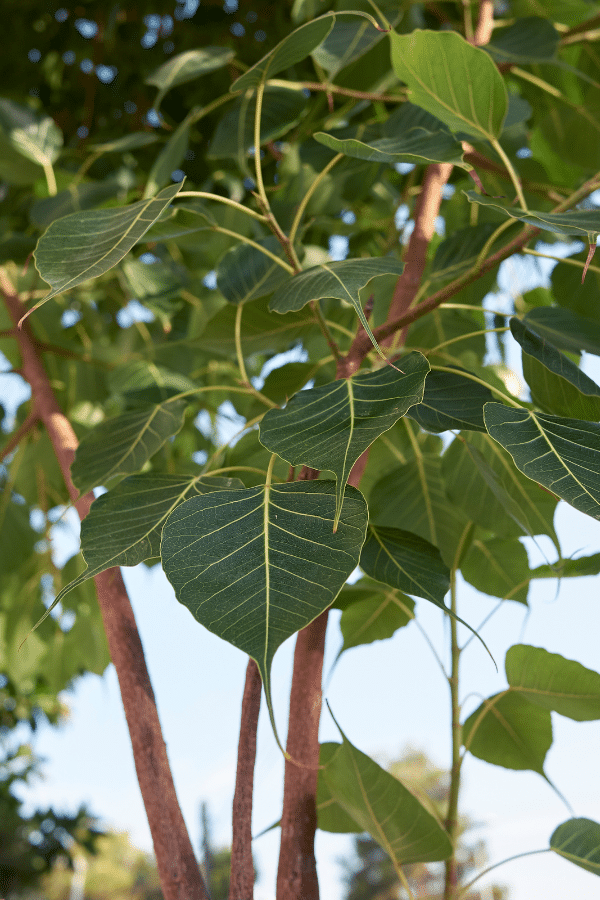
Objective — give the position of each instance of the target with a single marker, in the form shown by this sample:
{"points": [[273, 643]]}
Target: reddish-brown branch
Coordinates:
{"points": [[16, 438], [297, 873], [426, 212], [241, 883], [485, 23], [177, 866]]}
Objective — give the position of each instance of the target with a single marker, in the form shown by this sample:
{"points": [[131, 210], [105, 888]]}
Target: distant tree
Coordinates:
{"points": [[370, 874]]}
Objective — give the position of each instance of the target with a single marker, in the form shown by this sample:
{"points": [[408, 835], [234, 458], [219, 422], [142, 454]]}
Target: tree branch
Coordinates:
{"points": [[177, 866], [16, 438], [241, 882]]}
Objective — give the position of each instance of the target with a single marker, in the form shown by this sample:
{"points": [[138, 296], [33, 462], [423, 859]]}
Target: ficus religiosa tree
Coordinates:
{"points": [[391, 440]]}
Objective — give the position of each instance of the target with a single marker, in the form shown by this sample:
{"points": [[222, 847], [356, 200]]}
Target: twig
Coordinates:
{"points": [[16, 438], [241, 883], [177, 866]]}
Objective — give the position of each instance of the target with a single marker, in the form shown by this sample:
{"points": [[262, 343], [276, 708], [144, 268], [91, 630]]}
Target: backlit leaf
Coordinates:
{"points": [[371, 611], [451, 79], [561, 454], [383, 807], [498, 567], [578, 841], [329, 427], [121, 446], [415, 146], [507, 730], [256, 565], [552, 682], [187, 66], [87, 244], [330, 815], [569, 568]]}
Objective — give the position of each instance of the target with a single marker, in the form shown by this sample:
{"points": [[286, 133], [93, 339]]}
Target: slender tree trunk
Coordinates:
{"points": [[241, 882], [177, 866]]}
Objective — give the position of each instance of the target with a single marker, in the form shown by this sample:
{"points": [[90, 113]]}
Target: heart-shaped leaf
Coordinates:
{"points": [[121, 446], [451, 401], [552, 682], [256, 565], [557, 385], [187, 66], [381, 805], [561, 454], [578, 840], [453, 80], [407, 562], [329, 427], [341, 280], [509, 731], [581, 222], [87, 244]]}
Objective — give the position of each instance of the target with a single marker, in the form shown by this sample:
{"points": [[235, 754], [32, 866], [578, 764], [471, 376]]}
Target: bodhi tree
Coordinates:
{"points": [[390, 439]]}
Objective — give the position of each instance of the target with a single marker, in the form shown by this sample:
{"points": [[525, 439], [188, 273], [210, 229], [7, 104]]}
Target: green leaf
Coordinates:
{"points": [[329, 427], [383, 807], [416, 146], [453, 80], [88, 244], [256, 565], [282, 108], [124, 526], [330, 815], [581, 222], [341, 280], [122, 445], [406, 562], [78, 197], [561, 454], [552, 682], [557, 385], [507, 730], [347, 42], [260, 331], [413, 497], [451, 401], [482, 480], [371, 612], [565, 329], [187, 66], [526, 41], [499, 568], [569, 568], [292, 49], [170, 158], [37, 138], [124, 144], [244, 273], [578, 841]]}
